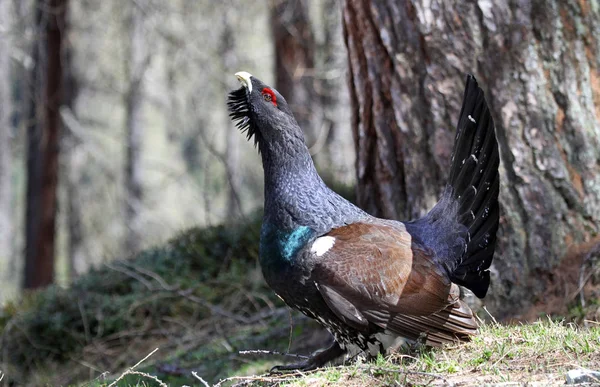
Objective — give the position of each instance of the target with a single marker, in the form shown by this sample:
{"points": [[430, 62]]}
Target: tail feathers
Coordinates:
{"points": [[475, 185], [461, 228], [455, 323]]}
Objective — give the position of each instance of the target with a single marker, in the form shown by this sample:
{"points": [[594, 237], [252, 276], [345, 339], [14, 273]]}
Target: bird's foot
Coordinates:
{"points": [[317, 360]]}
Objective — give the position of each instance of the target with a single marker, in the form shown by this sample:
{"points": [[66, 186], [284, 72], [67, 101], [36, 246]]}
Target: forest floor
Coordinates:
{"points": [[537, 354], [196, 312]]}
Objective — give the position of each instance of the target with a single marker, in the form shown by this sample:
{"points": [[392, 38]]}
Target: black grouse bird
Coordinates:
{"points": [[362, 277]]}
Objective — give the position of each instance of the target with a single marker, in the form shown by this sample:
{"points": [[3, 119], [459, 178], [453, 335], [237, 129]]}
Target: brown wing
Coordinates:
{"points": [[374, 272]]}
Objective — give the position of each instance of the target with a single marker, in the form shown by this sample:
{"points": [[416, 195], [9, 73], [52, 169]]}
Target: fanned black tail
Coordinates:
{"points": [[461, 228], [475, 185]]}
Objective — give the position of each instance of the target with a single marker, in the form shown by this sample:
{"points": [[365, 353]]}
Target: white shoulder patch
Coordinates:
{"points": [[322, 245]]}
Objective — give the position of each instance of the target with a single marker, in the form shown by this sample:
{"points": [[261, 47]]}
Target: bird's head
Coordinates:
{"points": [[264, 114]]}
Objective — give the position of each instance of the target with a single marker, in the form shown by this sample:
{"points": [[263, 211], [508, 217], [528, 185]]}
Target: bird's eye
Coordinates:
{"points": [[269, 96]]}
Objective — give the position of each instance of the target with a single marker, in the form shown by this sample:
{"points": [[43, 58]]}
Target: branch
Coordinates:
{"points": [[186, 293], [321, 139], [279, 379], [197, 377], [131, 371], [266, 352], [82, 135]]}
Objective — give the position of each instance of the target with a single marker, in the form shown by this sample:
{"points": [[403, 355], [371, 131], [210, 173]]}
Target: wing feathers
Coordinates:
{"points": [[375, 274], [343, 308], [377, 264]]}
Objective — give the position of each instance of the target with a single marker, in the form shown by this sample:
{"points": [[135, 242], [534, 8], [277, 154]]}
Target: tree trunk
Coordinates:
{"points": [[232, 138], [294, 60], [329, 89], [138, 62], [6, 207], [73, 167], [43, 143], [174, 122], [539, 63]]}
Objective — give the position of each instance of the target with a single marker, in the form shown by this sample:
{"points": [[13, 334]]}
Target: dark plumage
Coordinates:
{"points": [[362, 277]]}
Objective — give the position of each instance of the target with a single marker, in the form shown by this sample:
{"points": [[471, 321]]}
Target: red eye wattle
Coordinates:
{"points": [[269, 96]]}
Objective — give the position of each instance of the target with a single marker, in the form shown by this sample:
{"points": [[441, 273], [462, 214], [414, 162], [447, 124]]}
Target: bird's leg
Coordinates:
{"points": [[317, 360]]}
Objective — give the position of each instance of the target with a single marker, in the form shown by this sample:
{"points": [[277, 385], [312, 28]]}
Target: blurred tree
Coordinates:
{"points": [[294, 60], [137, 64], [232, 149], [540, 65], [330, 88], [172, 66], [72, 163], [43, 142], [6, 202]]}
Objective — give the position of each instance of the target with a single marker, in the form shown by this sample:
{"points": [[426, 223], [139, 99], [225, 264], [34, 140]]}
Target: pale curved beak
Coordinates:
{"points": [[244, 79]]}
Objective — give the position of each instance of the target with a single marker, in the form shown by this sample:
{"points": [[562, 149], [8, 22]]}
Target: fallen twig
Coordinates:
{"points": [[146, 375], [195, 374], [131, 371], [261, 378], [266, 352], [405, 372], [213, 308], [271, 379], [489, 314]]}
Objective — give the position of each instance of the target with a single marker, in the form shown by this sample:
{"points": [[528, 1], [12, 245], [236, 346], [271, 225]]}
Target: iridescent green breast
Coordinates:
{"points": [[279, 247]]}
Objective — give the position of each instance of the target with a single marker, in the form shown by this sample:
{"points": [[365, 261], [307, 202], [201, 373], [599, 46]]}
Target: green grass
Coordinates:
{"points": [[541, 352]]}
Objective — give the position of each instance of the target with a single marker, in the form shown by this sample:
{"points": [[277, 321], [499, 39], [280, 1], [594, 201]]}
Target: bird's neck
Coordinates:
{"points": [[293, 188], [295, 194]]}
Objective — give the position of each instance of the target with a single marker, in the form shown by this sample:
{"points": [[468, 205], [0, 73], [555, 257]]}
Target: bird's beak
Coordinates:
{"points": [[244, 79]]}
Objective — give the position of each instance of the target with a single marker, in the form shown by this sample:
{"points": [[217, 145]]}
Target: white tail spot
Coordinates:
{"points": [[472, 119], [322, 245]]}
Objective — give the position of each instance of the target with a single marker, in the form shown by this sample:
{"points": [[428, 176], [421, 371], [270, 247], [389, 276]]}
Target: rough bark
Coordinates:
{"points": [[294, 60], [43, 144], [138, 62], [539, 63], [6, 208]]}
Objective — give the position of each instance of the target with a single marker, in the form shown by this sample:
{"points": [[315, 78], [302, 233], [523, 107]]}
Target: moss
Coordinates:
{"points": [[56, 323]]}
